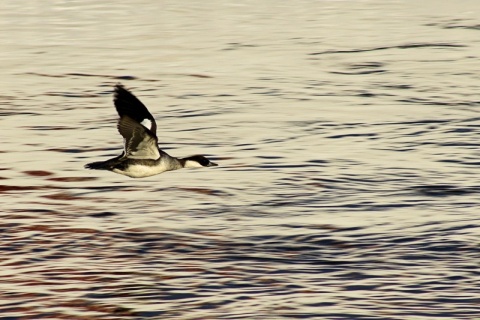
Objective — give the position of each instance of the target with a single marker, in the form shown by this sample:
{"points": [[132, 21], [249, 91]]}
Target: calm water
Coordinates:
{"points": [[346, 134]]}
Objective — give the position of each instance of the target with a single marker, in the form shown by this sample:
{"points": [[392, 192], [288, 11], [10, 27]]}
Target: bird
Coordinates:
{"points": [[141, 156]]}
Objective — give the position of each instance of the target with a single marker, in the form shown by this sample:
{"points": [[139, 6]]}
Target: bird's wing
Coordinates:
{"points": [[139, 142], [129, 105]]}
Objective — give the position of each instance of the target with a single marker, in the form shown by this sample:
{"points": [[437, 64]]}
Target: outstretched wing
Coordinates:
{"points": [[129, 105], [139, 142]]}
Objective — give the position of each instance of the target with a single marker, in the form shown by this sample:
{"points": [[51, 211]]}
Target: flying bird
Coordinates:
{"points": [[141, 156]]}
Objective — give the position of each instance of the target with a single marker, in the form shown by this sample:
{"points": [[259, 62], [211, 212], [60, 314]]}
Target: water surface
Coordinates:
{"points": [[346, 134]]}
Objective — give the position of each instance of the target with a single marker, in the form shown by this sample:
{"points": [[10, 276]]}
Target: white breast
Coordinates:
{"points": [[141, 171]]}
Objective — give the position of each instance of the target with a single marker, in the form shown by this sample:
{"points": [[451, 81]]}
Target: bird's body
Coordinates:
{"points": [[141, 156]]}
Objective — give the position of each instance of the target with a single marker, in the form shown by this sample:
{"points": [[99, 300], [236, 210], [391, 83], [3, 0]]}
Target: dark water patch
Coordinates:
{"points": [[107, 188], [80, 305], [74, 150], [340, 136], [462, 162], [280, 166], [198, 75], [460, 130], [210, 192], [242, 145], [6, 188], [368, 94], [126, 78], [256, 88], [38, 173], [472, 144], [366, 65], [269, 157], [16, 113], [72, 179], [8, 98], [194, 129], [71, 94], [190, 95], [105, 214], [225, 95], [456, 24], [46, 75], [468, 27], [62, 196], [46, 128], [404, 46], [435, 102], [318, 162], [47, 229], [415, 122], [269, 92], [81, 75], [395, 86], [358, 72], [32, 210], [237, 46]]}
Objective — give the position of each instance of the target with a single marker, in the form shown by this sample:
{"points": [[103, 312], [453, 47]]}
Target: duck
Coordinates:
{"points": [[141, 156]]}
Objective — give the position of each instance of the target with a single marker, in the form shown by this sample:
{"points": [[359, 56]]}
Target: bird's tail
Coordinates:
{"points": [[99, 165], [104, 165]]}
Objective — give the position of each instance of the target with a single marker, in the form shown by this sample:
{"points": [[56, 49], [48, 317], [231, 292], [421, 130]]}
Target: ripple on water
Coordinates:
{"points": [[162, 271]]}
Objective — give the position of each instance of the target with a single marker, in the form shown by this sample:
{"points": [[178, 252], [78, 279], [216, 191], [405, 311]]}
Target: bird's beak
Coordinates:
{"points": [[211, 164]]}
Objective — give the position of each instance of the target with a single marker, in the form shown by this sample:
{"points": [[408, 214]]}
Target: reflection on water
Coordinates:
{"points": [[346, 137]]}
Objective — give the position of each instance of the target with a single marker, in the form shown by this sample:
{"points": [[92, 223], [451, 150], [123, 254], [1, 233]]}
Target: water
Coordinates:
{"points": [[346, 134]]}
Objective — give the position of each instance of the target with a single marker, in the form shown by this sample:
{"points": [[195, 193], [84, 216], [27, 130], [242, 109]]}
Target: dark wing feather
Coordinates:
{"points": [[139, 142], [129, 105]]}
